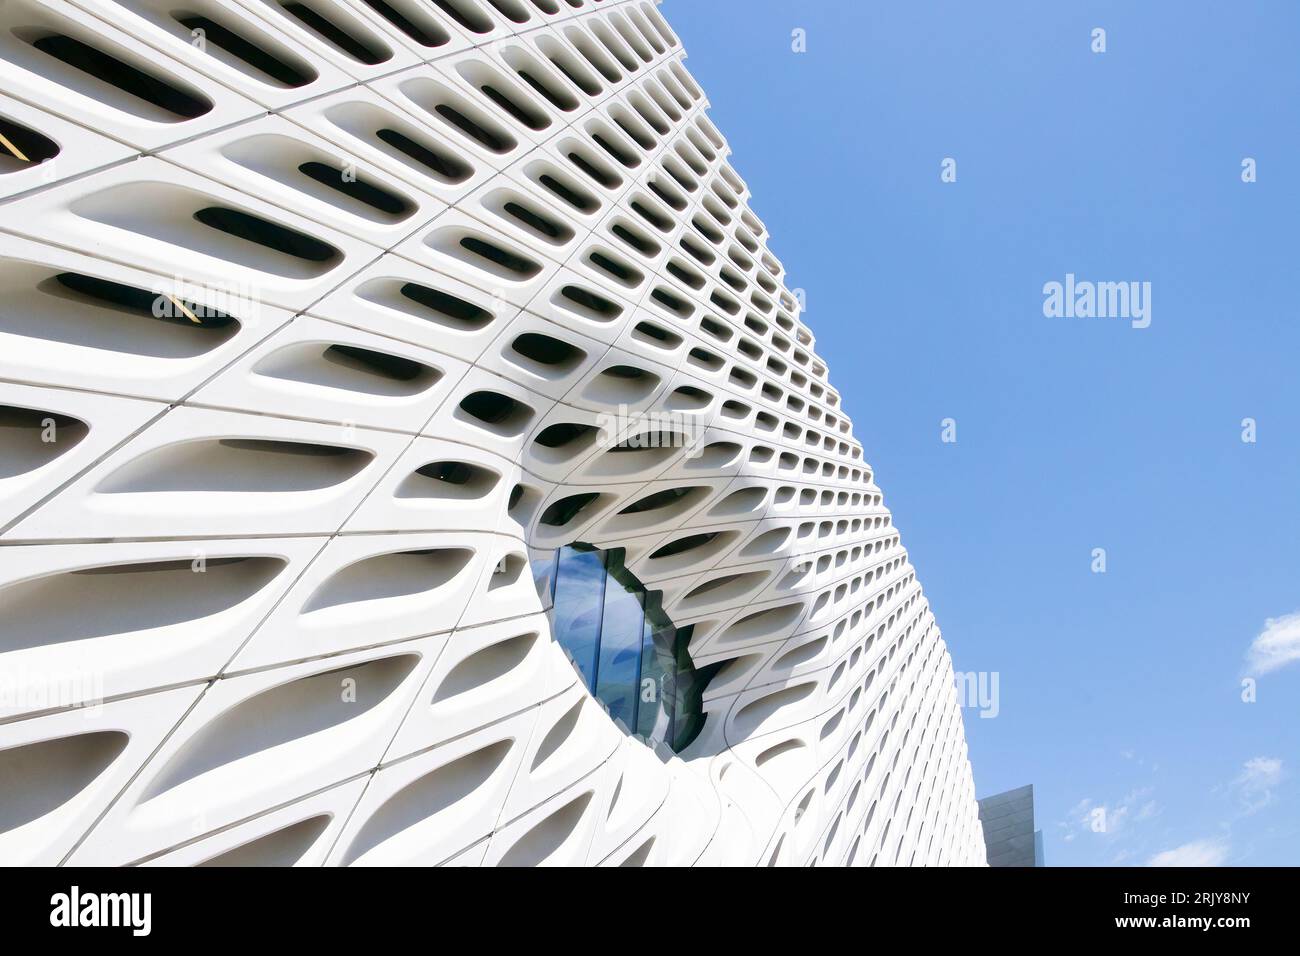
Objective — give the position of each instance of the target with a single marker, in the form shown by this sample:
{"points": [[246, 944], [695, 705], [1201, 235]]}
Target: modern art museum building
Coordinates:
{"points": [[410, 453]]}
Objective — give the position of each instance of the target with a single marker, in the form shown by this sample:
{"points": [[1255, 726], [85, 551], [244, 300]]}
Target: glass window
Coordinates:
{"points": [[631, 656], [658, 686], [579, 603], [618, 672]]}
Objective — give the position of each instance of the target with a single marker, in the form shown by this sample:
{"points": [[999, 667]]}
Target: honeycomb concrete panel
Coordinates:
{"points": [[272, 273]]}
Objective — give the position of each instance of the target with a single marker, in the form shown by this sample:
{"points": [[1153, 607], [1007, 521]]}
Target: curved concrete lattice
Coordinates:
{"points": [[325, 323]]}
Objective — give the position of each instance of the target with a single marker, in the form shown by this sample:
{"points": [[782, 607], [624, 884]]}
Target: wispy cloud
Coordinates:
{"points": [[1091, 816], [1254, 785], [1138, 759], [1208, 852], [1276, 646]]}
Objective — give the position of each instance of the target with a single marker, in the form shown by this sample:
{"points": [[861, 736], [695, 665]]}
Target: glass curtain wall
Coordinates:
{"points": [[631, 656]]}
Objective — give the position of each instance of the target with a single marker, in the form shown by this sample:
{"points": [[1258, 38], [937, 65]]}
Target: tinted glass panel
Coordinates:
{"points": [[620, 643], [630, 655], [658, 688], [579, 603]]}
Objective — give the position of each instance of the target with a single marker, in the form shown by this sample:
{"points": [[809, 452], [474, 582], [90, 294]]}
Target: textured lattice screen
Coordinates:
{"points": [[323, 323]]}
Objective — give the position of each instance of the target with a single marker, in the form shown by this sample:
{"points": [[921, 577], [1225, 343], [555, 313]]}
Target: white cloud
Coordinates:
{"points": [[1276, 646], [1110, 818], [1254, 785], [1209, 852]]}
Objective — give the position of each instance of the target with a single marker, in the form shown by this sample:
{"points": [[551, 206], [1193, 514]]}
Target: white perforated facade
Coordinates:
{"points": [[287, 306]]}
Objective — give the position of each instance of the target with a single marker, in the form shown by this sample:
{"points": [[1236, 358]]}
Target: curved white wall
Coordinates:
{"points": [[307, 650]]}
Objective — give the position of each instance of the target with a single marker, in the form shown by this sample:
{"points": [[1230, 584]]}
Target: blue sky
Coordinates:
{"points": [[1119, 690]]}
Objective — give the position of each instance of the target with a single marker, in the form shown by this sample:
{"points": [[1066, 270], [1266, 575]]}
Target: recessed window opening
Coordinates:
{"points": [[535, 75], [562, 433], [510, 261], [257, 230], [653, 216], [463, 314], [426, 33], [537, 222], [573, 195], [676, 201], [594, 56], [277, 68], [631, 656], [21, 147], [466, 15], [606, 177], [672, 303], [517, 108], [375, 363], [574, 71], [371, 53], [160, 306], [356, 188], [696, 250], [604, 309], [632, 129], [620, 154], [511, 10], [493, 408], [611, 43], [638, 241], [648, 113], [545, 350], [497, 142], [657, 500], [566, 510], [624, 273], [446, 168], [692, 279], [106, 68]]}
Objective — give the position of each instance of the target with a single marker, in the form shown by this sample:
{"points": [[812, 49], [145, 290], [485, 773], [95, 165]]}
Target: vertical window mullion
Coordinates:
{"points": [[600, 625]]}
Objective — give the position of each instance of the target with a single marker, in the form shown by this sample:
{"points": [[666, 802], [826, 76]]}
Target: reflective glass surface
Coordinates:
{"points": [[631, 656], [619, 666], [579, 604]]}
